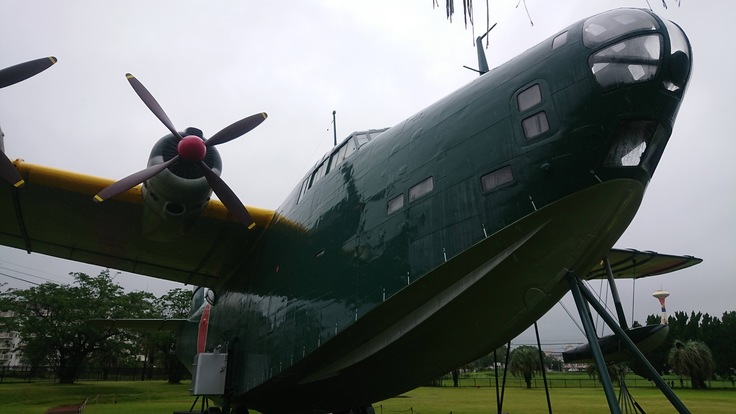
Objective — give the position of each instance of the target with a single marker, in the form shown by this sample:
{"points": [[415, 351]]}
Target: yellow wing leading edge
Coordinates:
{"points": [[53, 214]]}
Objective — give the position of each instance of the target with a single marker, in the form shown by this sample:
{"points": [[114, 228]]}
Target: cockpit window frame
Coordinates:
{"points": [[616, 24], [337, 157]]}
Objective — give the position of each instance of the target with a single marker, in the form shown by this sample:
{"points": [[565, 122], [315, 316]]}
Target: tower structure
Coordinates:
{"points": [[662, 295]]}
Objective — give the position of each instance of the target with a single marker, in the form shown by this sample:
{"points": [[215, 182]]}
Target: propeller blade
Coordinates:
{"points": [[23, 71], [151, 103], [132, 180], [8, 172], [227, 196], [237, 129]]}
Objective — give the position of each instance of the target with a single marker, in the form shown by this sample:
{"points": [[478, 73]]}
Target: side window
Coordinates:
{"points": [[535, 125], [318, 174], [496, 178], [349, 148], [336, 159], [535, 111], [559, 40], [421, 189], [529, 98], [395, 204], [341, 154], [303, 190], [361, 139]]}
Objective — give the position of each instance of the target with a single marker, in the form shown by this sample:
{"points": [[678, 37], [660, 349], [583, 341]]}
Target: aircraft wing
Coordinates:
{"points": [[54, 214], [630, 263]]}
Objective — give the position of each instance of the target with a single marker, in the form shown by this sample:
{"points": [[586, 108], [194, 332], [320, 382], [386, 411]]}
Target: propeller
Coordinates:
{"points": [[10, 76], [23, 71], [191, 149]]}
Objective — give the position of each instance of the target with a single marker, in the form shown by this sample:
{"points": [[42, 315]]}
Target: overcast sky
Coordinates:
{"points": [[375, 63]]}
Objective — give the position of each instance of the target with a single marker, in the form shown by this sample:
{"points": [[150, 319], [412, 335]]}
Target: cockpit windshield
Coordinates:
{"points": [[678, 40], [610, 25], [680, 57]]}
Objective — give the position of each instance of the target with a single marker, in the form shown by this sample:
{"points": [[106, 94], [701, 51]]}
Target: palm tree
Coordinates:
{"points": [[524, 361], [693, 359]]}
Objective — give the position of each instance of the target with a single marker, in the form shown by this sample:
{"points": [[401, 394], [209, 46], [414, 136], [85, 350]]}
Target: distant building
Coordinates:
{"points": [[10, 356]]}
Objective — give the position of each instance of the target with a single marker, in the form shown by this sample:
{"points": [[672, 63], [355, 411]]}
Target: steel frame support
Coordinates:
{"points": [[621, 335], [544, 369], [594, 346], [614, 293]]}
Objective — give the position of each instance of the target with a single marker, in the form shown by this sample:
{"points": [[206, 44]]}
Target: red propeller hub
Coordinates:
{"points": [[192, 148]]}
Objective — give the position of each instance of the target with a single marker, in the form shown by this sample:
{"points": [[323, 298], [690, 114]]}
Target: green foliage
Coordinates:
{"points": [[161, 346], [524, 361], [50, 320], [694, 360], [718, 334]]}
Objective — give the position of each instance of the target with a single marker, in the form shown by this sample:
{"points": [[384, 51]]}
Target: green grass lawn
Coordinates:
{"points": [[104, 397], [161, 398], [432, 400]]}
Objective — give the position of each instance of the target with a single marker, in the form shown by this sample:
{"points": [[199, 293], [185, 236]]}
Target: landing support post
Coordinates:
{"points": [[495, 373], [544, 369], [621, 335], [594, 346], [614, 293]]}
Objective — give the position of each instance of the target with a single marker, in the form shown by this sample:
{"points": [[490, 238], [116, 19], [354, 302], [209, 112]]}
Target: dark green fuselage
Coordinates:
{"points": [[345, 302]]}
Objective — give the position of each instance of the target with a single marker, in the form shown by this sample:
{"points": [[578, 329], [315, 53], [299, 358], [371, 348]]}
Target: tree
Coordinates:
{"points": [[718, 335], [693, 359], [172, 305], [524, 361], [50, 320], [726, 359]]}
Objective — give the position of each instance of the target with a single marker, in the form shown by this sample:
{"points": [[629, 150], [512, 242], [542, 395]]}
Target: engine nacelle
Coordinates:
{"points": [[178, 194]]}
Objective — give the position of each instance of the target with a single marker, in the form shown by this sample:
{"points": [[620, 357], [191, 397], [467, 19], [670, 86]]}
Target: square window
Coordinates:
{"points": [[496, 178], [395, 204], [535, 125], [529, 97], [421, 189]]}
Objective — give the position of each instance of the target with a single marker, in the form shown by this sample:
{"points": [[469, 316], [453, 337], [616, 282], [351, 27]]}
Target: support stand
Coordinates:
{"points": [[544, 369], [614, 293], [625, 399], [583, 295], [499, 400], [621, 335], [205, 405], [594, 346]]}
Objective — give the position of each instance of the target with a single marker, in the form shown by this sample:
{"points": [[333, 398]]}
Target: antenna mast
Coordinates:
{"points": [[482, 62], [334, 129]]}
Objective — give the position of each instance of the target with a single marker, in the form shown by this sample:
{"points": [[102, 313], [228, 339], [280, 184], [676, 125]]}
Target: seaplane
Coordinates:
{"points": [[404, 252]]}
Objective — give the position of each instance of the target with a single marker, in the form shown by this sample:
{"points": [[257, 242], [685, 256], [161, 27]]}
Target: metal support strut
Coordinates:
{"points": [[614, 293], [586, 294], [594, 346]]}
